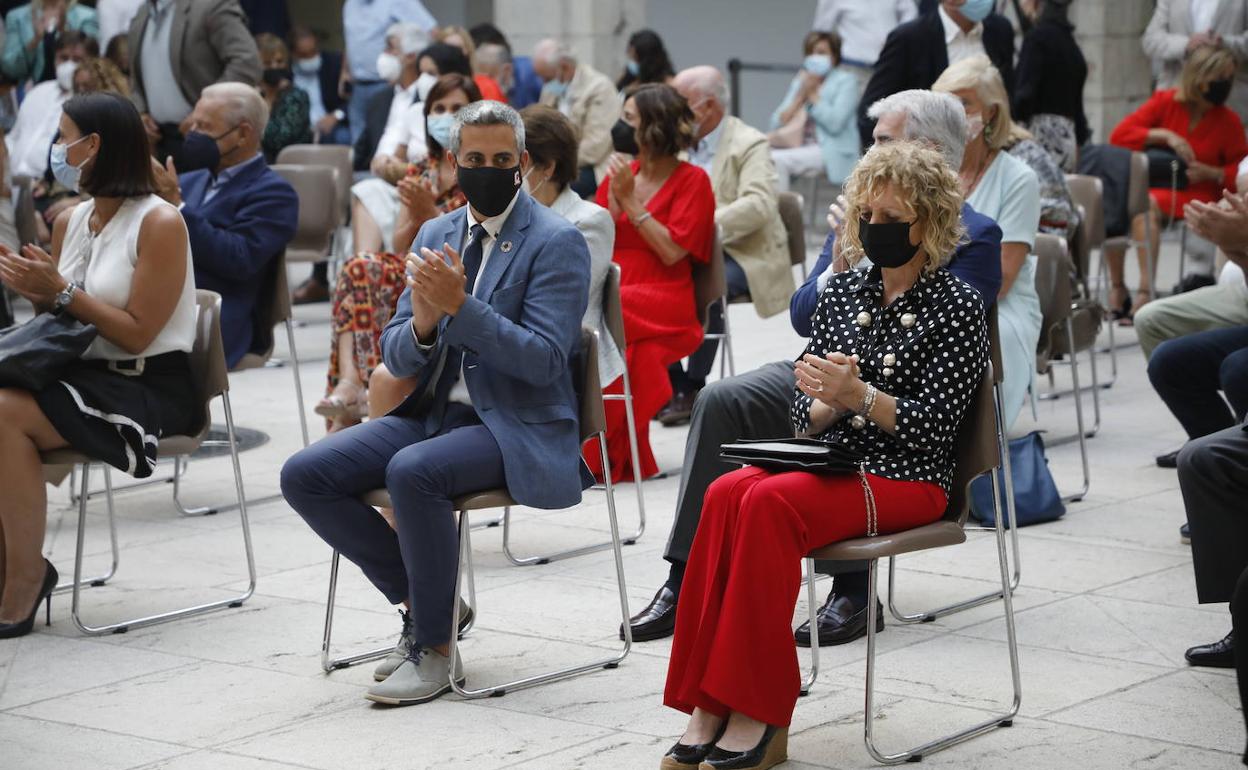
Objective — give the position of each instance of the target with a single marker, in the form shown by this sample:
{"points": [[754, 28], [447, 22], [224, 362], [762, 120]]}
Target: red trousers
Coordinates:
{"points": [[734, 648]]}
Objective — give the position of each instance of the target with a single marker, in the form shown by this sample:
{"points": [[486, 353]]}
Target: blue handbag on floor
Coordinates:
{"points": [[1036, 498]]}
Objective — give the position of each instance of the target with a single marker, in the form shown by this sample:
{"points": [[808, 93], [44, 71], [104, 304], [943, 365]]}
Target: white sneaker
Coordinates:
{"points": [[422, 676]]}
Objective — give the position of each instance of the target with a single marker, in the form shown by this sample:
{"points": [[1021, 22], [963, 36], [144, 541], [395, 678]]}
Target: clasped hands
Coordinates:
{"points": [[437, 284], [1224, 223], [832, 380], [32, 274]]}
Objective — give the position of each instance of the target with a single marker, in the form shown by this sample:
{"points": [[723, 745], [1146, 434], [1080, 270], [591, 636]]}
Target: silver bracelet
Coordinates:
{"points": [[868, 401], [641, 219]]}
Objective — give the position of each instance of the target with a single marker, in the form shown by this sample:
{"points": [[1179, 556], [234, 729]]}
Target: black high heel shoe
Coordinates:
{"points": [[684, 756], [23, 627], [771, 750]]}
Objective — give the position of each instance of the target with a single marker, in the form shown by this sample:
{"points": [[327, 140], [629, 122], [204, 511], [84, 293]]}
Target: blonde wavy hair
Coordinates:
{"points": [[978, 74], [1201, 66], [927, 189]]}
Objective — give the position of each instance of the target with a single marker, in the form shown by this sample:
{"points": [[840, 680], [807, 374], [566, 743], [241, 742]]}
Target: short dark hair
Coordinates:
{"points": [[449, 58], [447, 84], [123, 165], [486, 32], [666, 122], [831, 38], [550, 136], [72, 37]]}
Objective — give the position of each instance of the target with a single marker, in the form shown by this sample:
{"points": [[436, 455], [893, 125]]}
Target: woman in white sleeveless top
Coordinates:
{"points": [[120, 261]]}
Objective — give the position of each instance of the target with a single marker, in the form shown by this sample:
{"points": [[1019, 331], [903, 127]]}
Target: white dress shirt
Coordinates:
{"points": [[165, 102], [411, 133], [1202, 13], [702, 154], [863, 25], [37, 121], [459, 391], [958, 44], [396, 122], [114, 17]]}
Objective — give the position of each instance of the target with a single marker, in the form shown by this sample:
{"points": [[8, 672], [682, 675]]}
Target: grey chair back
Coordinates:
{"points": [[24, 215], [710, 283], [994, 345], [274, 308], [207, 359], [316, 187], [592, 413], [1088, 192], [335, 156], [1137, 186], [613, 308], [794, 226], [1053, 286]]}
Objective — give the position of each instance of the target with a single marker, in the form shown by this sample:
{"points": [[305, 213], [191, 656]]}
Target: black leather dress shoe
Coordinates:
{"points": [[1185, 534], [1168, 460], [1220, 654], [657, 620], [840, 622]]}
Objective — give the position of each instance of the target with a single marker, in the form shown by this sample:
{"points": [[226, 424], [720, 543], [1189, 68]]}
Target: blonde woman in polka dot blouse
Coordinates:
{"points": [[897, 354]]}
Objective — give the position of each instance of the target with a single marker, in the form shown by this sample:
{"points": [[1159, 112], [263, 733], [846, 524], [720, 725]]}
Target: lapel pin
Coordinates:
{"points": [[505, 246]]}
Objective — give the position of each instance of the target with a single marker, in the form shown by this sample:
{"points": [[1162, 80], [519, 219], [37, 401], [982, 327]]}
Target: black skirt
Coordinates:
{"points": [[119, 418]]}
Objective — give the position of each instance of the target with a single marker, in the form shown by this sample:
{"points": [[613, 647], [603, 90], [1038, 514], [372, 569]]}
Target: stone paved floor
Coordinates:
{"points": [[1106, 608]]}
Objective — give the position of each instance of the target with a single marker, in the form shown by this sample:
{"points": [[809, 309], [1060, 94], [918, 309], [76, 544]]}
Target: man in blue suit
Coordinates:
{"points": [[239, 213], [756, 404], [489, 324]]}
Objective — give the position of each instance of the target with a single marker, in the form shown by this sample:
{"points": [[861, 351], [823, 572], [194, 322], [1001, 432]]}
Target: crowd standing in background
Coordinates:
{"points": [[495, 190]]}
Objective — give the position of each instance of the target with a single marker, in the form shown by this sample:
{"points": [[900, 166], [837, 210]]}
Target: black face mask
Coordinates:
{"points": [[887, 244], [624, 137], [489, 190], [1217, 91], [200, 150], [274, 75]]}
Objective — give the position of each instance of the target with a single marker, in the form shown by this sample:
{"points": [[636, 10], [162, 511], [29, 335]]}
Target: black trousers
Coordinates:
{"points": [[750, 405], [586, 183], [1189, 371], [1239, 622], [692, 378], [1213, 476]]}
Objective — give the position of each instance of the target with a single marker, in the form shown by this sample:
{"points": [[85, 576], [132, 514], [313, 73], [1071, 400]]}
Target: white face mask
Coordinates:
{"points": [[424, 84], [65, 75], [389, 67], [530, 188]]}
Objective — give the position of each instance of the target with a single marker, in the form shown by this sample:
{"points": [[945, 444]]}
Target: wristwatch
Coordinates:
{"points": [[339, 115], [63, 299]]}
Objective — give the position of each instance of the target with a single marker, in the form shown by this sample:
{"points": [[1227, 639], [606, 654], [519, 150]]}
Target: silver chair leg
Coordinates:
{"points": [[94, 493], [164, 617], [98, 580], [465, 562], [811, 599], [1082, 433], [294, 367], [726, 344]]}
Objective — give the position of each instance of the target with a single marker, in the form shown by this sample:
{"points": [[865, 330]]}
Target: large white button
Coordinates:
{"points": [[864, 318], [889, 359], [908, 319], [858, 422], [887, 372]]}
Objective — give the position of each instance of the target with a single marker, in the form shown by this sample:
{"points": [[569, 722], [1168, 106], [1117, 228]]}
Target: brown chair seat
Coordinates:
{"points": [[935, 535], [476, 501]]}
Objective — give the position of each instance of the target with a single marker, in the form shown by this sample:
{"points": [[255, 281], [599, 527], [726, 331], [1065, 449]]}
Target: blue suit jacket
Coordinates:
{"points": [[528, 86], [519, 334], [234, 240], [977, 261]]}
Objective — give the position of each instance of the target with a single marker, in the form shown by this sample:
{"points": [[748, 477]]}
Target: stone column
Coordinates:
{"points": [[597, 31], [1120, 76]]}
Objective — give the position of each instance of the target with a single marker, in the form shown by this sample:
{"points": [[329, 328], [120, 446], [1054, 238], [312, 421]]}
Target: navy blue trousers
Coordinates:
{"points": [[424, 470], [1188, 371]]}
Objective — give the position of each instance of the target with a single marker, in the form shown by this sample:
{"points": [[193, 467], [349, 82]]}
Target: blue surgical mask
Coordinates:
{"points": [[817, 64], [633, 68], [439, 128], [556, 88], [308, 66], [66, 173], [976, 11]]}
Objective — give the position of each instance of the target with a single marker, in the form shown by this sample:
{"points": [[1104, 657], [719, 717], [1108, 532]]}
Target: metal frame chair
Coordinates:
{"points": [[1088, 194], [710, 285], [337, 157], [593, 425], [209, 374], [976, 452], [613, 312], [791, 205], [319, 210]]}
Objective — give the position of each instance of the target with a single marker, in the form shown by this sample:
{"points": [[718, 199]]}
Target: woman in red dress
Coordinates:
{"points": [[1193, 121], [664, 214]]}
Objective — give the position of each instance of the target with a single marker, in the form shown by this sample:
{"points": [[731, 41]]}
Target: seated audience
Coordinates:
{"points": [[916, 52], [756, 405], [489, 360], [862, 27], [664, 212], [32, 35], [747, 214], [733, 667], [1193, 123], [589, 100], [1048, 84], [216, 47], [39, 113], [646, 61], [368, 286], [526, 86], [134, 381], [316, 72], [1000, 186], [813, 130], [1178, 27], [289, 107], [979, 86], [458, 37], [240, 214]]}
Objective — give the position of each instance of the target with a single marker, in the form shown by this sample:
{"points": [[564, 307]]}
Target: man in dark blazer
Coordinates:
{"points": [[489, 326], [916, 52], [239, 213], [316, 72], [177, 47]]}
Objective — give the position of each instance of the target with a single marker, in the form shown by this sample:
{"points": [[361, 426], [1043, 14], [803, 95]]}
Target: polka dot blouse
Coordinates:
{"points": [[927, 350]]}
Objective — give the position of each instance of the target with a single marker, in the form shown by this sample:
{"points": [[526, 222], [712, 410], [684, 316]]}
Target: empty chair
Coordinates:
{"points": [[316, 187]]}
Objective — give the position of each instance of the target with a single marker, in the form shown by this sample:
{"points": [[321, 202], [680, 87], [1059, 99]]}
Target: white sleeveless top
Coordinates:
{"points": [[110, 273]]}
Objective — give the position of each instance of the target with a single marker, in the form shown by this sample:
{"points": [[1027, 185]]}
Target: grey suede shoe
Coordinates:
{"points": [[395, 658], [422, 676]]}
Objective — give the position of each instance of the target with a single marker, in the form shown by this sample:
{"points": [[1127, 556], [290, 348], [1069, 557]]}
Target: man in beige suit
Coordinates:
{"points": [[1178, 26], [756, 254], [177, 47], [590, 101]]}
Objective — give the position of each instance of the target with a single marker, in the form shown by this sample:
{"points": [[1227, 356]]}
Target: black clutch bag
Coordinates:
{"points": [[35, 354], [1166, 168], [793, 454]]}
